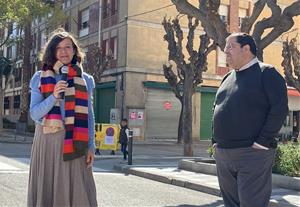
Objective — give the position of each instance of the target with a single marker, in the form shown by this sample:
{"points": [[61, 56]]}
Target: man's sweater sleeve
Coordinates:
{"points": [[276, 92]]}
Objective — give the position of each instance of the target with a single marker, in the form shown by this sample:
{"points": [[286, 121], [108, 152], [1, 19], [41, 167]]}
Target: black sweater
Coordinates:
{"points": [[251, 106]]}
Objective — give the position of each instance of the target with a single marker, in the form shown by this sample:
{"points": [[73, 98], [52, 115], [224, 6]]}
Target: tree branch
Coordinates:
{"points": [[169, 37], [6, 39], [249, 21], [295, 53], [283, 23], [172, 80], [289, 53], [210, 20], [269, 22], [179, 35], [190, 39]]}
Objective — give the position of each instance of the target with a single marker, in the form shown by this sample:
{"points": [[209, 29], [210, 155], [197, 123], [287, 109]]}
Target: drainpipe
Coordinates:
{"points": [[100, 20]]}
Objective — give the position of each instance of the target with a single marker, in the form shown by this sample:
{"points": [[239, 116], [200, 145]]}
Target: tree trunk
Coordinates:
{"points": [[260, 54], [187, 120], [180, 121], [26, 74]]}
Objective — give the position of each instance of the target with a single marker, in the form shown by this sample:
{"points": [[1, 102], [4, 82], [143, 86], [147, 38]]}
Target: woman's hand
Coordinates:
{"points": [[60, 86], [90, 158]]}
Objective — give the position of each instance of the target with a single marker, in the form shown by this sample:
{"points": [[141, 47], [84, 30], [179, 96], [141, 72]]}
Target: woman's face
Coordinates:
{"points": [[65, 51]]}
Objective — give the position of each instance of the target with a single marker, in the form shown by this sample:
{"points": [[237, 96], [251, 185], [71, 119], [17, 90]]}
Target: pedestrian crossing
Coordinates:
{"points": [[14, 165], [21, 165]]}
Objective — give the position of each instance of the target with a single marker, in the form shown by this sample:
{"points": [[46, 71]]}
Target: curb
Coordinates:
{"points": [[291, 183], [183, 183], [168, 180], [15, 141]]}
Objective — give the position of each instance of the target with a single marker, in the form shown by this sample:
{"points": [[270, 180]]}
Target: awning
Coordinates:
{"points": [[293, 92]]}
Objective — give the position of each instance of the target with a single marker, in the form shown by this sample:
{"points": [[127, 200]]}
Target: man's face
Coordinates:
{"points": [[235, 55]]}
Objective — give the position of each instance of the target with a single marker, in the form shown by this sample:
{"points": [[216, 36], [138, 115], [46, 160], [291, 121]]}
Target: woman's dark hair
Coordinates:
{"points": [[48, 55], [245, 39]]}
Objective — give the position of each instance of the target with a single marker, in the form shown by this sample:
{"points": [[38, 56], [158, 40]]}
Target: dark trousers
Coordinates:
{"points": [[124, 150], [245, 176]]}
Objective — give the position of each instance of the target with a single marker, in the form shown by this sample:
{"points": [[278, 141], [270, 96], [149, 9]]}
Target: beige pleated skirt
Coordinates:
{"points": [[54, 182]]}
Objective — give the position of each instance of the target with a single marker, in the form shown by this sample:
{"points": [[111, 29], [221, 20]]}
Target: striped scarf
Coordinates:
{"points": [[76, 110]]}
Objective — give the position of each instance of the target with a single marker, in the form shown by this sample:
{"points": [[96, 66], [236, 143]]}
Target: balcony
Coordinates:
{"points": [[110, 21]]}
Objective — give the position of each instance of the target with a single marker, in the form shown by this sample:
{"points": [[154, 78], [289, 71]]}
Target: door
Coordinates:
{"points": [[207, 102], [104, 101]]}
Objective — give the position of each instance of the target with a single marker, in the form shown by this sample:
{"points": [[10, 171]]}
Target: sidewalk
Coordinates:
{"points": [[167, 172]]}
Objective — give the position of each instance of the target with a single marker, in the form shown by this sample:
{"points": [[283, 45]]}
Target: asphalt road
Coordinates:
{"points": [[113, 188]]}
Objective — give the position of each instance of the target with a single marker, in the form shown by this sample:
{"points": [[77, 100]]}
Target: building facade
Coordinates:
{"points": [[133, 86]]}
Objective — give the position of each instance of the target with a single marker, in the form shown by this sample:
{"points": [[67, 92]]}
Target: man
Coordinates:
{"points": [[250, 108]]}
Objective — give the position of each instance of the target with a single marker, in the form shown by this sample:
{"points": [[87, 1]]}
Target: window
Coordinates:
{"points": [[242, 15], [84, 22], [109, 8], [67, 26], [17, 102], [113, 6], [105, 9], [17, 75], [113, 47], [6, 102], [223, 12], [221, 58], [86, 51], [9, 52], [84, 19], [10, 29], [67, 3], [19, 49], [105, 47], [43, 38], [109, 47]]}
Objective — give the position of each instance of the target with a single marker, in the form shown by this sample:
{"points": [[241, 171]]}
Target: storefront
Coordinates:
{"points": [[291, 126], [162, 110]]}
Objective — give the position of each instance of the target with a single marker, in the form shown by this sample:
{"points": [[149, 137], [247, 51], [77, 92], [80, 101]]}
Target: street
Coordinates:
{"points": [[113, 188]]}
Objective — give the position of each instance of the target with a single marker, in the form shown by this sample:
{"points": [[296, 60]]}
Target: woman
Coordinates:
{"points": [[63, 147]]}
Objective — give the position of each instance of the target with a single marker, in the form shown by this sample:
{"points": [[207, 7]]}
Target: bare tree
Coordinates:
{"points": [[97, 62], [291, 63], [279, 21], [189, 75], [189, 72]]}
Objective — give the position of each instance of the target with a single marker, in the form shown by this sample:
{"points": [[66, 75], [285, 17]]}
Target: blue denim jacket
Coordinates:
{"points": [[39, 106]]}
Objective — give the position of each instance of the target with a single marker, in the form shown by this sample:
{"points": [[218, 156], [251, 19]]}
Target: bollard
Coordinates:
{"points": [[130, 138]]}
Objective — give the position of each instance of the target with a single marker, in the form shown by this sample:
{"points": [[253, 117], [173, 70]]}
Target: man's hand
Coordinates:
{"points": [[90, 158]]}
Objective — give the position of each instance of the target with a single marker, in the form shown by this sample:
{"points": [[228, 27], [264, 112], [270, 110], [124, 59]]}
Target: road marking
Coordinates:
{"points": [[4, 166]]}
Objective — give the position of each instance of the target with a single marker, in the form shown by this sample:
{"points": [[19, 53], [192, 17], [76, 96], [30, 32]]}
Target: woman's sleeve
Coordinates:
{"points": [[91, 85], [39, 106]]}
